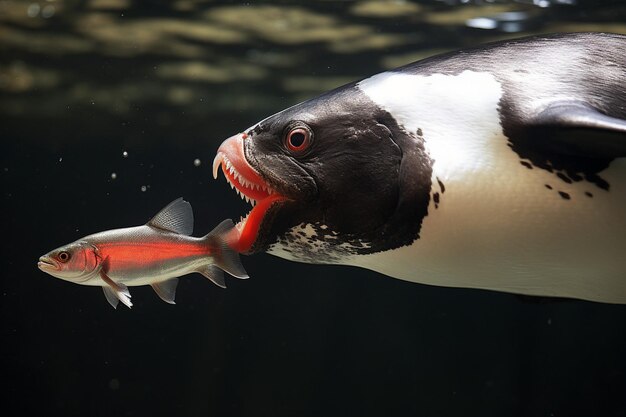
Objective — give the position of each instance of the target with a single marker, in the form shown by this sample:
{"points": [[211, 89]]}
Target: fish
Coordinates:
{"points": [[154, 254], [498, 167]]}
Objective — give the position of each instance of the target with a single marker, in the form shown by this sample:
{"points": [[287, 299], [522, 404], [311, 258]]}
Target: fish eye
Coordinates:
{"points": [[63, 256], [298, 139]]}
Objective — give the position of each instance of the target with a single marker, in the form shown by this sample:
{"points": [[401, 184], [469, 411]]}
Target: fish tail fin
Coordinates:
{"points": [[224, 257]]}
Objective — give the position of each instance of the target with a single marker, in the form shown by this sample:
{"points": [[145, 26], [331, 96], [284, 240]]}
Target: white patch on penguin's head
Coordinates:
{"points": [[456, 114]]}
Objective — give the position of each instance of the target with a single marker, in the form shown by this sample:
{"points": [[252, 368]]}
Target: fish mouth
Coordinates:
{"points": [[47, 264], [250, 186]]}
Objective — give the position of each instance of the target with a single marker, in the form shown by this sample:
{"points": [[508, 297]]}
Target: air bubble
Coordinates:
{"points": [[197, 162], [33, 10], [125, 154], [144, 188], [113, 175]]}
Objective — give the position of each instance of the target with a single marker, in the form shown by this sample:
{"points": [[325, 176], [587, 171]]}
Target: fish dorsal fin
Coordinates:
{"points": [[576, 128], [166, 290], [176, 217], [214, 274]]}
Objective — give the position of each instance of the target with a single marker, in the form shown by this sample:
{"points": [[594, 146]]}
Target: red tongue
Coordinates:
{"points": [[242, 240]]}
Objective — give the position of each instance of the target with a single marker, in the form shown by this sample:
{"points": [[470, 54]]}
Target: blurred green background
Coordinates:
{"points": [[180, 60]]}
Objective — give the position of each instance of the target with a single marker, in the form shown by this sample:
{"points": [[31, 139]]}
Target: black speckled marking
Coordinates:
{"points": [[441, 186], [575, 177], [548, 186], [526, 164], [599, 182], [564, 177], [588, 194], [564, 195]]}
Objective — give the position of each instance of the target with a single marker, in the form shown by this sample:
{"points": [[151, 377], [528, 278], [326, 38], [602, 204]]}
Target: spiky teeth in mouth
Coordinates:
{"points": [[250, 187], [248, 190]]}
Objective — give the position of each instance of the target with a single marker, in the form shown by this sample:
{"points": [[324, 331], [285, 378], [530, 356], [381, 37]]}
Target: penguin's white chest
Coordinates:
{"points": [[495, 221]]}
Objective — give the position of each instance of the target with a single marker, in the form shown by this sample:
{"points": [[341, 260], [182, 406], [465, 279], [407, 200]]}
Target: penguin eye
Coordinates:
{"points": [[64, 256], [298, 139]]}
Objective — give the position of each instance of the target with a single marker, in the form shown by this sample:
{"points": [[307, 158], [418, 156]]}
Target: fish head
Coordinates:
{"points": [[325, 176], [75, 262]]}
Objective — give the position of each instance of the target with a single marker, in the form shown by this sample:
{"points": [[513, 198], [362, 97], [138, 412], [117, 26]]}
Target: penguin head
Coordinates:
{"points": [[333, 168]]}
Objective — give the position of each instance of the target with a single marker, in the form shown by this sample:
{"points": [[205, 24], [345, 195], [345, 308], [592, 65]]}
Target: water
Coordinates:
{"points": [[112, 108]]}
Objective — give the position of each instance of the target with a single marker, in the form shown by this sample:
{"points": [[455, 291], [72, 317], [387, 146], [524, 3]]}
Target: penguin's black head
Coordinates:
{"points": [[328, 178]]}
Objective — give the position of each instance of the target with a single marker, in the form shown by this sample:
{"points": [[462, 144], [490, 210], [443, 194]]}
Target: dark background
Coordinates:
{"points": [[84, 81]]}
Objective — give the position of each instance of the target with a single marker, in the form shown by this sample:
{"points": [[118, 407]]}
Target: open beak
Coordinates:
{"points": [[250, 186]]}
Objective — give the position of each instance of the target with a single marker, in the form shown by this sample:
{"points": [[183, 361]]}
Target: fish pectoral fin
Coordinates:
{"points": [[213, 273], [119, 290], [176, 217], [110, 296], [166, 290], [577, 128]]}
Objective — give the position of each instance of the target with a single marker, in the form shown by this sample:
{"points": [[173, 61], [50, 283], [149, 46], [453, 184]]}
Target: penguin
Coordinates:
{"points": [[501, 167]]}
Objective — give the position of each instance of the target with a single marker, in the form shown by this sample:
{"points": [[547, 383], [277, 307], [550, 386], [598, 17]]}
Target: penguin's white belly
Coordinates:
{"points": [[499, 224], [510, 233]]}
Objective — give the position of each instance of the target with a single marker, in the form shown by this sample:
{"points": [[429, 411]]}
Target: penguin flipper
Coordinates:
{"points": [[577, 128]]}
